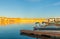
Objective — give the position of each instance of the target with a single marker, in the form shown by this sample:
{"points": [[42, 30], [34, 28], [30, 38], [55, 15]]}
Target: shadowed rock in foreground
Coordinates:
{"points": [[40, 34]]}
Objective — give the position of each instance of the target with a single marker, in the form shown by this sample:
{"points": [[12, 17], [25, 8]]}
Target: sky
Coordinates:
{"points": [[30, 8]]}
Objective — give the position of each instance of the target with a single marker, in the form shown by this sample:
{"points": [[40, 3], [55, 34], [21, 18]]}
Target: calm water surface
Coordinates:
{"points": [[13, 31]]}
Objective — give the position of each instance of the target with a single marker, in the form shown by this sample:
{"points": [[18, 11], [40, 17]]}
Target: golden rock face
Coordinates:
{"points": [[6, 21]]}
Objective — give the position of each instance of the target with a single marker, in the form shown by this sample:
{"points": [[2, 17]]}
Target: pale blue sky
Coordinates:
{"points": [[30, 8]]}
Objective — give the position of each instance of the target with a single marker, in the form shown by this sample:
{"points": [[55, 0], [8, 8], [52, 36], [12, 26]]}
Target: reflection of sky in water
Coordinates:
{"points": [[13, 31]]}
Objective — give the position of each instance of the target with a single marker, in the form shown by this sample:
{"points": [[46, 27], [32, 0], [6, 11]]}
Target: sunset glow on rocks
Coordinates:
{"points": [[6, 20]]}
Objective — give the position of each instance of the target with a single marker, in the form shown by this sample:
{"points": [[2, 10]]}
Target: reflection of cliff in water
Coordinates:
{"points": [[39, 36]]}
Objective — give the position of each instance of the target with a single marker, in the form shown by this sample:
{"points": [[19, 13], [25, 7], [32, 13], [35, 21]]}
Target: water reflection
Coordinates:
{"points": [[13, 31]]}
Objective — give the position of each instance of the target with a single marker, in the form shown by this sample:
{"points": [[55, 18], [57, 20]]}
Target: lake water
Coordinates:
{"points": [[13, 31]]}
